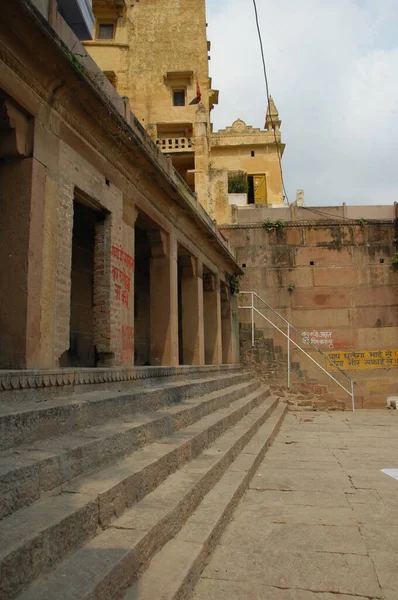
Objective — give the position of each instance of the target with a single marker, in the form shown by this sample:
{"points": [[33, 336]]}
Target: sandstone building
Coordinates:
{"points": [[123, 410], [107, 259], [156, 56], [128, 429]]}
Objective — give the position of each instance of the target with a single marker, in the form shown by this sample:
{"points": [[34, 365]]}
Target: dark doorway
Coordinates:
{"points": [[210, 317], [82, 349], [180, 321], [142, 329], [250, 192]]}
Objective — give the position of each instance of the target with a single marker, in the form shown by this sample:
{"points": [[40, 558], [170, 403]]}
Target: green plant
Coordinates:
{"points": [[291, 287], [394, 261], [235, 284], [361, 222], [271, 225], [237, 183]]}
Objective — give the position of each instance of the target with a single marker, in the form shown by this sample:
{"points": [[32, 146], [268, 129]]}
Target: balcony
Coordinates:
{"points": [[175, 144], [109, 5], [79, 16]]}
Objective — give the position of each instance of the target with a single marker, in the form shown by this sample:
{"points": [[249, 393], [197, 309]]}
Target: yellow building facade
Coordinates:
{"points": [[254, 155], [155, 53]]}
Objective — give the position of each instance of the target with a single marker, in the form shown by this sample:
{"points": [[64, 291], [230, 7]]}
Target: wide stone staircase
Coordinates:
{"points": [[112, 494]]}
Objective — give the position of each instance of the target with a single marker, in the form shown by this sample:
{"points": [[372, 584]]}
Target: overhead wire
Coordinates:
{"points": [[268, 100]]}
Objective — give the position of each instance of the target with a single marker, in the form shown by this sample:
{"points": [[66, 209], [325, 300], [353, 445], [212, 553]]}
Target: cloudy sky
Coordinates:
{"points": [[333, 73]]}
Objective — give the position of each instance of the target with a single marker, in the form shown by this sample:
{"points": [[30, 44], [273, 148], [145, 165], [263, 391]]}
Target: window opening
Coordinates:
{"points": [[179, 97], [106, 31]]}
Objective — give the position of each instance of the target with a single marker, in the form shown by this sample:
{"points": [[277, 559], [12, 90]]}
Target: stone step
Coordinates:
{"points": [[174, 571], [22, 422], [110, 562], [29, 470], [40, 385], [35, 538]]}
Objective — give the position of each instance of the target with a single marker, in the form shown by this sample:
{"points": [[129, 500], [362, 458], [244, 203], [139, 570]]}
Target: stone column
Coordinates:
{"points": [[22, 192], [163, 299], [226, 325], [127, 282], [22, 200], [212, 319], [192, 312]]}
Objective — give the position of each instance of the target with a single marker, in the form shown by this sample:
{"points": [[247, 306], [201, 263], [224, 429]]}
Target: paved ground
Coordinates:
{"points": [[320, 520]]}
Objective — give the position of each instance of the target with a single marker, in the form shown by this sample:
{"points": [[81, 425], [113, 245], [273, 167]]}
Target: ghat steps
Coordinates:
{"points": [[113, 493]]}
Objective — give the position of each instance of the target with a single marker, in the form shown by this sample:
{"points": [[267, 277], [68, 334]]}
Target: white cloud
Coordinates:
{"points": [[332, 68]]}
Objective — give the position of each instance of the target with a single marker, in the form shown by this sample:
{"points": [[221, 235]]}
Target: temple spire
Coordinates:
{"points": [[272, 120]]}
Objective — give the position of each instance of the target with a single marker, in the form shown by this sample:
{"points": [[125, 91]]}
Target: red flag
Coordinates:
{"points": [[198, 97]]}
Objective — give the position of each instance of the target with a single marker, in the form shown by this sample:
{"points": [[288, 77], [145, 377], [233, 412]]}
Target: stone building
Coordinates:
{"points": [[121, 392], [125, 444], [106, 258], [156, 56]]}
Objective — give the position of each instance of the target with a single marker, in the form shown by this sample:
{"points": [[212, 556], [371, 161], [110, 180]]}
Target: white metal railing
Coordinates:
{"points": [[175, 144], [289, 328]]}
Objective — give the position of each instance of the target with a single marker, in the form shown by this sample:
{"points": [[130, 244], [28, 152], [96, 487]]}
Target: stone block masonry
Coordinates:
{"points": [[336, 282]]}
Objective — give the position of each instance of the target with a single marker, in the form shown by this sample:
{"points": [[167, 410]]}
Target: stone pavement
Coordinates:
{"points": [[319, 520]]}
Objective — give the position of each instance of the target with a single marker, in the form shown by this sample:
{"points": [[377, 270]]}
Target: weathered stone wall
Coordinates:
{"points": [[336, 283]]}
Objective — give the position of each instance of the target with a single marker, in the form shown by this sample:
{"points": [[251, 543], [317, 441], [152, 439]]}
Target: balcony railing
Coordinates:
{"points": [[175, 144]]}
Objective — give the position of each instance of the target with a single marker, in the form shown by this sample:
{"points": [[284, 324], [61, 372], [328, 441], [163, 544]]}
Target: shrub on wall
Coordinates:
{"points": [[237, 183], [235, 284]]}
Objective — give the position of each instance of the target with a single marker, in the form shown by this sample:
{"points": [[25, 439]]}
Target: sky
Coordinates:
{"points": [[332, 67]]}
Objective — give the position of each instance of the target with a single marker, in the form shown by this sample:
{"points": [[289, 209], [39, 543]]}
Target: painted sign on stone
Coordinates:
{"points": [[364, 360]]}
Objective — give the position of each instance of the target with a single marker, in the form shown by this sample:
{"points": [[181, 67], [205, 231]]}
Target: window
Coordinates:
{"points": [[106, 31], [179, 97], [252, 153]]}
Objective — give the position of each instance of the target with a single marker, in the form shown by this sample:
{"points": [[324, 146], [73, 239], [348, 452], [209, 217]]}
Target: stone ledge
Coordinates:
{"points": [[34, 379], [305, 223]]}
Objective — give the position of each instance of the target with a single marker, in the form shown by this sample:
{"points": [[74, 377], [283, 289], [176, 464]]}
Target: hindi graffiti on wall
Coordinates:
{"points": [[363, 360], [122, 281], [321, 339]]}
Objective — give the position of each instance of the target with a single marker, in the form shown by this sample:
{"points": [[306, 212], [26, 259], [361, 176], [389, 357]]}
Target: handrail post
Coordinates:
{"points": [[290, 341], [252, 319], [288, 356]]}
